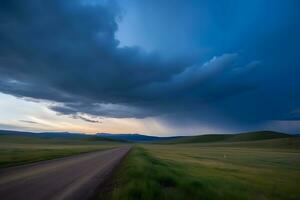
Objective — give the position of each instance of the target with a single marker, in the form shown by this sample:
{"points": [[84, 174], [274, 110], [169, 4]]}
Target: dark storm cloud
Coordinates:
{"points": [[264, 33], [67, 52], [103, 109]]}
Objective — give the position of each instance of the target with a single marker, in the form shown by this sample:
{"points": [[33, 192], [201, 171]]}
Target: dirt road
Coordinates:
{"points": [[75, 177]]}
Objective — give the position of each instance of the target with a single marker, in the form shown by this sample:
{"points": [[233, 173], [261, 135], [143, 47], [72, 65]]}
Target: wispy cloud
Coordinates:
{"points": [[87, 119], [29, 121]]}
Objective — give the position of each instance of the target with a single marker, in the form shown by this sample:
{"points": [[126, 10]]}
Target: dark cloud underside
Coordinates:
{"points": [[67, 52]]}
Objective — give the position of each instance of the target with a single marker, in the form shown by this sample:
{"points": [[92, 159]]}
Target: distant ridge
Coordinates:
{"points": [[57, 135], [239, 137], [135, 137], [44, 134], [210, 138], [95, 137]]}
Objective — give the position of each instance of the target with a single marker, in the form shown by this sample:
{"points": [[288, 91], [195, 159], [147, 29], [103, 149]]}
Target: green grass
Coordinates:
{"points": [[16, 150], [195, 172]]}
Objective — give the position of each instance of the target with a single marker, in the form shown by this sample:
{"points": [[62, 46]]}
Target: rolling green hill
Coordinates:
{"points": [[240, 137]]}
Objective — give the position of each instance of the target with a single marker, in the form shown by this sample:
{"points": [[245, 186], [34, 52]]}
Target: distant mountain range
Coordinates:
{"points": [[68, 135], [249, 136], [45, 134], [134, 137]]}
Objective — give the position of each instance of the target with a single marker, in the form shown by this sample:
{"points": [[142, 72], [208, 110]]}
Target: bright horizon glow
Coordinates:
{"points": [[19, 114], [34, 116]]}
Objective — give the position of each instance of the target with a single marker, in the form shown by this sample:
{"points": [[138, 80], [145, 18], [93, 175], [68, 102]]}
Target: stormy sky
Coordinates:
{"points": [[148, 66]]}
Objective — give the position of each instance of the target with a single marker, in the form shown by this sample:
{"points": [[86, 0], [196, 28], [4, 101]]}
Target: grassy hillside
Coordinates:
{"points": [[261, 135], [289, 143], [200, 139], [6, 139], [192, 172], [250, 136], [17, 150]]}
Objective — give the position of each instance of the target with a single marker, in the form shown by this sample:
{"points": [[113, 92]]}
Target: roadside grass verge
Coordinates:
{"points": [[144, 177], [179, 172]]}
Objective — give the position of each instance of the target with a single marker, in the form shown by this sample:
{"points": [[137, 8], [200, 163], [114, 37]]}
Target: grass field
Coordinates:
{"points": [[195, 171], [207, 167], [16, 150]]}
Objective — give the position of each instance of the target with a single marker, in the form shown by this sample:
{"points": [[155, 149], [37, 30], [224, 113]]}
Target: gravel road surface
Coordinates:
{"points": [[76, 177]]}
